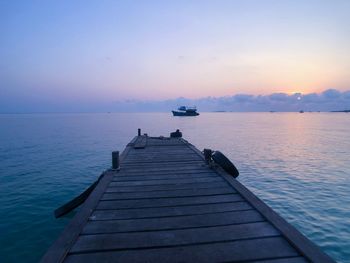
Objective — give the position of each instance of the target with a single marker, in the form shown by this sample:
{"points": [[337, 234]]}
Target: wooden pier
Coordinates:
{"points": [[166, 204]]}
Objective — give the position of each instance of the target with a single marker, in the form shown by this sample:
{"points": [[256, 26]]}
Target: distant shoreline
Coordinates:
{"points": [[214, 111], [340, 111]]}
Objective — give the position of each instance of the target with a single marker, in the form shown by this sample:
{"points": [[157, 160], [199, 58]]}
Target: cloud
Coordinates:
{"points": [[279, 97], [243, 98], [328, 100], [331, 94]]}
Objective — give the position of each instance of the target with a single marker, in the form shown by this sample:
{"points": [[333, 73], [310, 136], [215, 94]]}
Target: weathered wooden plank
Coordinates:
{"points": [[169, 166], [245, 250], [180, 170], [77, 201], [163, 156], [164, 187], [141, 142], [152, 167], [168, 145], [159, 145], [168, 140], [59, 249], [168, 181], [144, 177], [169, 211], [160, 154], [142, 155], [283, 260], [173, 147], [140, 203], [165, 173], [167, 161], [173, 237], [162, 169], [159, 162], [171, 179], [163, 159], [170, 193], [178, 222], [163, 142]]}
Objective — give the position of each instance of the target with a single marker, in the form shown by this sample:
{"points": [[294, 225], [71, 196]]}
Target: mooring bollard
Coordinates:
{"points": [[207, 155], [138, 132], [115, 160]]}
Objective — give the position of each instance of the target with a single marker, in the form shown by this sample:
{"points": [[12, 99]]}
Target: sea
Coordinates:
{"points": [[299, 164]]}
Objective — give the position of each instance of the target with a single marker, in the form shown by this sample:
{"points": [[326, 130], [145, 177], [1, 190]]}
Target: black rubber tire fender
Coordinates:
{"points": [[225, 163]]}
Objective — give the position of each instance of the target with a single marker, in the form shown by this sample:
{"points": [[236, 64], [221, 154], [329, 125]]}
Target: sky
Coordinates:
{"points": [[61, 56]]}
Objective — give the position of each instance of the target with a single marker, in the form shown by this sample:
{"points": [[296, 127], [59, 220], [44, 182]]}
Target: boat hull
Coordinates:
{"points": [[179, 113]]}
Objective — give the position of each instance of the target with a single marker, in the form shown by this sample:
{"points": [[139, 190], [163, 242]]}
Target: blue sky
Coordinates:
{"points": [[59, 55]]}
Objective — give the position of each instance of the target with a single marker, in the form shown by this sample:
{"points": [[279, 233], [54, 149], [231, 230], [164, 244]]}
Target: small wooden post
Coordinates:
{"points": [[115, 160], [207, 155], [138, 132]]}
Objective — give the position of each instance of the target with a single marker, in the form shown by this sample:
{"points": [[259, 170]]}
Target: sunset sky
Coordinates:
{"points": [[81, 52]]}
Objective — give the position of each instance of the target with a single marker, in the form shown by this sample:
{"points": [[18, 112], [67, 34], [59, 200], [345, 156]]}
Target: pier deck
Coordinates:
{"points": [[166, 204]]}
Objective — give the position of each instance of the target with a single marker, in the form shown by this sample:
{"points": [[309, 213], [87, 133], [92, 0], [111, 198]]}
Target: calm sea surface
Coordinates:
{"points": [[297, 163]]}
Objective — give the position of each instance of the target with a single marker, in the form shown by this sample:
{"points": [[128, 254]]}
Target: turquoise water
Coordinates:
{"points": [[297, 163]]}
